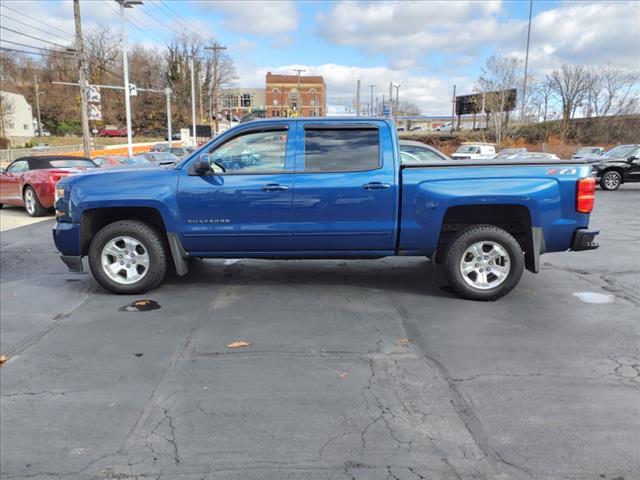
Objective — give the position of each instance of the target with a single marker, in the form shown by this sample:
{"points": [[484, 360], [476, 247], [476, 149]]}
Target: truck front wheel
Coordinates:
{"points": [[483, 262], [128, 257]]}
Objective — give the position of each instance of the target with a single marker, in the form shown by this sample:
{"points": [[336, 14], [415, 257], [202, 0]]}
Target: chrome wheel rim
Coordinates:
{"points": [[125, 260], [29, 201], [612, 180], [485, 265]]}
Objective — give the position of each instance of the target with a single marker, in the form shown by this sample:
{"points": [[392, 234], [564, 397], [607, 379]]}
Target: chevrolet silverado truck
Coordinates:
{"points": [[323, 188]]}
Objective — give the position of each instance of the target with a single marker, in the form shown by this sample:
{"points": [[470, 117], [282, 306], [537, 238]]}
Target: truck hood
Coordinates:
{"points": [[126, 172]]}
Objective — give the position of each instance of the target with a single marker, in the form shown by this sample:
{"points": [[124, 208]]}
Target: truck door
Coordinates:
{"points": [[345, 188], [247, 207]]}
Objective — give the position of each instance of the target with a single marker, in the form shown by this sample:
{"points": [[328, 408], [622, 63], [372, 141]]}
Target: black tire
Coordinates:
{"points": [[32, 203], [153, 244], [465, 240], [611, 180]]}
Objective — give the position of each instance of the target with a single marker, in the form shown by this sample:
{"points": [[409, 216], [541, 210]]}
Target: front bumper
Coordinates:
{"points": [[584, 239]]}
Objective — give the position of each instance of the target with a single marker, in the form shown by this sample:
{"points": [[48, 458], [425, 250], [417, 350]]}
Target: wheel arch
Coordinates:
{"points": [[513, 218], [94, 219]]}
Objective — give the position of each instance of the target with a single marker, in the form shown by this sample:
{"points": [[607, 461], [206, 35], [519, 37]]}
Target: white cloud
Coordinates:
{"points": [[431, 94], [258, 17], [406, 32]]}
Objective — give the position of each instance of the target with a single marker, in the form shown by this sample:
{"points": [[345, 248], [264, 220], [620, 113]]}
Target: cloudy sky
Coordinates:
{"points": [[426, 46]]}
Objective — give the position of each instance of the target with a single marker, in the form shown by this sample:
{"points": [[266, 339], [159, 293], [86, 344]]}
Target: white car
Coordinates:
{"points": [[474, 151]]}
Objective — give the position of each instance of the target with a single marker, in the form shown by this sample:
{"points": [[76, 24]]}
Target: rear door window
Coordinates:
{"points": [[341, 150]]}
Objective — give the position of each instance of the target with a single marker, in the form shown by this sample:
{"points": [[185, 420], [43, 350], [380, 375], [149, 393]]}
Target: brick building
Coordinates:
{"points": [[295, 96]]}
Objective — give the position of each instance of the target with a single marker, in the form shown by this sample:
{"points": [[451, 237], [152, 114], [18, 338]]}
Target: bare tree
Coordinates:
{"points": [[540, 99], [498, 76], [611, 92], [571, 84]]}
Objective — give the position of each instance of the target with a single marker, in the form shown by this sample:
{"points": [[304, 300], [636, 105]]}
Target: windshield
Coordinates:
{"points": [[621, 151], [165, 156], [71, 164], [589, 150], [466, 149], [133, 160]]}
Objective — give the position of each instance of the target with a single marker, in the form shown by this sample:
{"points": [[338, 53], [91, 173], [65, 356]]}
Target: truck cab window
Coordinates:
{"points": [[341, 150], [252, 153]]}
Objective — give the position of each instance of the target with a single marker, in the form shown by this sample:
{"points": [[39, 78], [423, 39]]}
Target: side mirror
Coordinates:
{"points": [[632, 159], [200, 167], [2, 170]]}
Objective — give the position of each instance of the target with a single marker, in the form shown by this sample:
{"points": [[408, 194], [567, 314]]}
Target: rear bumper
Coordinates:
{"points": [[584, 239]]}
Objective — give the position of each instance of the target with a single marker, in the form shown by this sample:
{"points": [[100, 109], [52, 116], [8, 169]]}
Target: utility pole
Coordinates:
{"points": [[84, 117], [125, 66], [215, 87], [526, 65], [391, 99], [299, 70], [358, 99], [397, 100], [35, 81], [168, 92], [371, 102], [193, 99], [453, 109]]}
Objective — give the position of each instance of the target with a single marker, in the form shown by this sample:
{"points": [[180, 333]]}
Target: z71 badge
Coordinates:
{"points": [[562, 171]]}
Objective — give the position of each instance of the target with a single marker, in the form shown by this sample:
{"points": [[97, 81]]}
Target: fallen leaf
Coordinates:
{"points": [[141, 303], [343, 375], [3, 359], [404, 341], [238, 344]]}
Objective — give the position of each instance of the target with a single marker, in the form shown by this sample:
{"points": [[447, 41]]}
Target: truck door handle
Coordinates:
{"points": [[273, 187], [376, 186]]}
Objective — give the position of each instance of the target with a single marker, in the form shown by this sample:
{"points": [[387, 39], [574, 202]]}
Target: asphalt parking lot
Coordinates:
{"points": [[355, 370]]}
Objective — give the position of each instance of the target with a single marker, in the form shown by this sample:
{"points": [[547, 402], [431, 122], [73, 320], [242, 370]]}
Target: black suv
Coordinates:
{"points": [[617, 166]]}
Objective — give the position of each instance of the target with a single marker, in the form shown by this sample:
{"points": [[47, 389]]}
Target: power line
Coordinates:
{"points": [[42, 54], [35, 28], [35, 19], [159, 22], [130, 22], [175, 13], [171, 15], [54, 52], [31, 36]]}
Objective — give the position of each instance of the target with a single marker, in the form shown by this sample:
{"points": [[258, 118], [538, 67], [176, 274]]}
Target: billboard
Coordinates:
{"points": [[469, 104]]}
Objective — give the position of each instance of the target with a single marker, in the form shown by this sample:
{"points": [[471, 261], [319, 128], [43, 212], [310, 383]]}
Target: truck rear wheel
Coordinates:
{"points": [[128, 257], [483, 263]]}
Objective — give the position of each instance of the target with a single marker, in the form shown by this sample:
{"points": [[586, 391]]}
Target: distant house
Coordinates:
{"points": [[16, 118]]}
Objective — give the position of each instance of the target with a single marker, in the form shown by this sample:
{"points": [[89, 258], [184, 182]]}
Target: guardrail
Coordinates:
{"points": [[11, 155]]}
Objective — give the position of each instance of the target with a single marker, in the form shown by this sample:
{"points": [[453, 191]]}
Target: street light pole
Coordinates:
{"points": [[397, 99], [526, 65], [371, 102], [193, 98], [167, 92], [125, 66]]}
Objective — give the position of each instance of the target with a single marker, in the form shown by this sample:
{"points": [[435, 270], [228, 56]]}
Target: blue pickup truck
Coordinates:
{"points": [[323, 188]]}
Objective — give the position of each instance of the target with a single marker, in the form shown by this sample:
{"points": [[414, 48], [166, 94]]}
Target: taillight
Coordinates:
{"points": [[585, 194]]}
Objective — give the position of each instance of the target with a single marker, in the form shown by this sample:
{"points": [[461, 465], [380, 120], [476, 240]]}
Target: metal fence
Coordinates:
{"points": [[10, 155]]}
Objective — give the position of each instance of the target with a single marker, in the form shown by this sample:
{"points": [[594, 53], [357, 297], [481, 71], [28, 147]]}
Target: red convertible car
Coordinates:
{"points": [[31, 181]]}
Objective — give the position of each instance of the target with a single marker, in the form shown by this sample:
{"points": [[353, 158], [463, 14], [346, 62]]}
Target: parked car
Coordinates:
{"points": [[119, 160], [617, 166], [446, 126], [163, 158], [352, 199], [111, 131], [534, 156], [174, 136], [401, 129], [40, 146], [159, 147], [180, 152], [417, 152], [509, 153], [474, 151], [419, 128], [31, 181], [586, 152]]}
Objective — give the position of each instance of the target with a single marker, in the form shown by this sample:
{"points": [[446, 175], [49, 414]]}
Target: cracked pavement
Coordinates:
{"points": [[537, 385]]}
